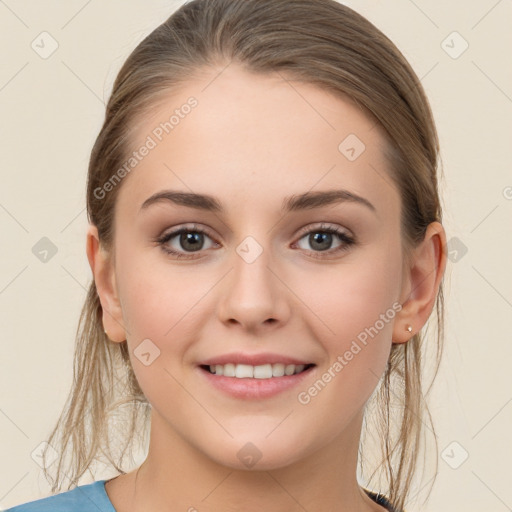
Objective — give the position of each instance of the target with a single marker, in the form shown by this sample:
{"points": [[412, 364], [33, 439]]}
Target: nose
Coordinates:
{"points": [[253, 296]]}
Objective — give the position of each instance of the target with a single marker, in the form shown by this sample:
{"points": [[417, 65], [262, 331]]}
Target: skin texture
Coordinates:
{"points": [[251, 141]]}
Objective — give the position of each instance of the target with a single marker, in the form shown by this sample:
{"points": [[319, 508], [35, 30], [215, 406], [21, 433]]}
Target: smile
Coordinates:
{"points": [[264, 371], [248, 382]]}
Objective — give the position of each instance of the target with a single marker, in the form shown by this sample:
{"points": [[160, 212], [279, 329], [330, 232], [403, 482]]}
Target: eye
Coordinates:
{"points": [[191, 239], [322, 237]]}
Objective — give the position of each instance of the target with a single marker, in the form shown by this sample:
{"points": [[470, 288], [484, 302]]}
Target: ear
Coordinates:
{"points": [[102, 268], [421, 283]]}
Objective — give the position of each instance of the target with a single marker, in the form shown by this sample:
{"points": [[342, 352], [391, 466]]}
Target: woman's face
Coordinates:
{"points": [[256, 278]]}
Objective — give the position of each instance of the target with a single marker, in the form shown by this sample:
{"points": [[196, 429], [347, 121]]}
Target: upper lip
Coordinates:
{"points": [[253, 359]]}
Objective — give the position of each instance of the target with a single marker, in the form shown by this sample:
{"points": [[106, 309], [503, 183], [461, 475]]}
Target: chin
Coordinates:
{"points": [[260, 454]]}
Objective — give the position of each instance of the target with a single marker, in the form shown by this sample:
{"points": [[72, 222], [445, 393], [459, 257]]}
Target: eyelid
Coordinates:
{"points": [[321, 226], [189, 226], [192, 226]]}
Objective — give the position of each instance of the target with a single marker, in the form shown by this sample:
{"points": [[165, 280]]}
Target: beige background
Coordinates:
{"points": [[51, 110]]}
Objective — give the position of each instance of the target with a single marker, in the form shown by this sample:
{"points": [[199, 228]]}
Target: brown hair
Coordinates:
{"points": [[320, 42]]}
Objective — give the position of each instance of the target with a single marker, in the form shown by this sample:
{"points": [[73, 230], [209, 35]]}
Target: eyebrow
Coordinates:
{"points": [[297, 202]]}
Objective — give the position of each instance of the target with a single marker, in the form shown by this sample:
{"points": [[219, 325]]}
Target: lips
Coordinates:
{"points": [[254, 359], [261, 375], [257, 387]]}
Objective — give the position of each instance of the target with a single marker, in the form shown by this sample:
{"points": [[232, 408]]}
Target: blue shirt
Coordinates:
{"points": [[94, 498], [83, 498]]}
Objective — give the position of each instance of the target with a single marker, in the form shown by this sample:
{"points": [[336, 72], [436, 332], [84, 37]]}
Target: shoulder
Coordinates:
{"points": [[83, 498]]}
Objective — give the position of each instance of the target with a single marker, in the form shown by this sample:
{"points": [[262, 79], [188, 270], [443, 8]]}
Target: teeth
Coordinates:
{"points": [[264, 371], [244, 370]]}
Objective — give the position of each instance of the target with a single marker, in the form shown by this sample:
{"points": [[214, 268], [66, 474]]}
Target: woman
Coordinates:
{"points": [[266, 246]]}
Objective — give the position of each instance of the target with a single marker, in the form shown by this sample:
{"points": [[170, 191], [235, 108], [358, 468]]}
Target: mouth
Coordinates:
{"points": [[263, 371], [247, 382]]}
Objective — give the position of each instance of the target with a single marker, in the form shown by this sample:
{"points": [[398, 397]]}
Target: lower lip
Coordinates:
{"points": [[255, 388]]}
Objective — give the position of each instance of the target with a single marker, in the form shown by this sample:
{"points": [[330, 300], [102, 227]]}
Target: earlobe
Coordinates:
{"points": [[409, 329], [102, 269], [422, 280]]}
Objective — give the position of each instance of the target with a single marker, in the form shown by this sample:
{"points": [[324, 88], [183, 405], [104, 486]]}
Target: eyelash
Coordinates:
{"points": [[347, 240]]}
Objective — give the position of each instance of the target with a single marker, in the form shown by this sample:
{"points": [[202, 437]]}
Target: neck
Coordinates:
{"points": [[176, 473]]}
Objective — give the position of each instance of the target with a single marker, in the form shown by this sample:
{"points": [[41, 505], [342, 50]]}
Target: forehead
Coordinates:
{"points": [[252, 139]]}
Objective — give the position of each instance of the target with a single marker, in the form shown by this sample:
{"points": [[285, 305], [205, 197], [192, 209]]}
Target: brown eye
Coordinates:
{"points": [[185, 241], [321, 239]]}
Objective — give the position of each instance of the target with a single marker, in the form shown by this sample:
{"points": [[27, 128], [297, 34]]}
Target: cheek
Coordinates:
{"points": [[157, 308], [162, 304], [154, 295], [353, 308], [347, 299]]}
